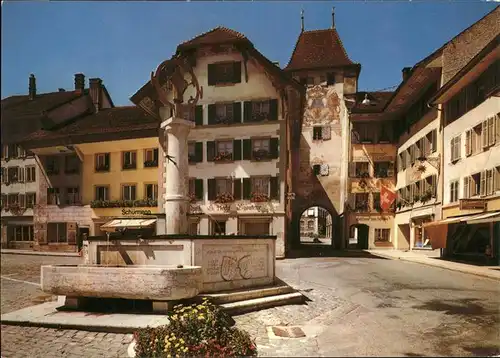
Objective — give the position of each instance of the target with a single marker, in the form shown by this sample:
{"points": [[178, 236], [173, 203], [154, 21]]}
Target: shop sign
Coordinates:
{"points": [[472, 204], [133, 212]]}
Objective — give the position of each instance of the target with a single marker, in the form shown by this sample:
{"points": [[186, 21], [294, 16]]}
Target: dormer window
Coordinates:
{"points": [[224, 73]]}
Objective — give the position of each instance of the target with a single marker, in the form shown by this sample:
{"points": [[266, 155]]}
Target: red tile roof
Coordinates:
{"points": [[318, 49], [215, 36], [109, 124]]}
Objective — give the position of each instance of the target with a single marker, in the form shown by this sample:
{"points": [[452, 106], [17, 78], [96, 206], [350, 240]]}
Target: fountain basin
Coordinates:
{"points": [[139, 282]]}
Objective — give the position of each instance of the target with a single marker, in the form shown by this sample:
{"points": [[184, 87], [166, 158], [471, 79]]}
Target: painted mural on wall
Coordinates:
{"points": [[323, 107]]}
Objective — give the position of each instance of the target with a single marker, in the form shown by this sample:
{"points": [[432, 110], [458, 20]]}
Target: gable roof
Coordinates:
{"points": [[318, 49], [108, 124], [218, 35]]}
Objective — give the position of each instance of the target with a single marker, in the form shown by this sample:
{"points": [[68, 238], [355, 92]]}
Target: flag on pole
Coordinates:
{"points": [[387, 197]]}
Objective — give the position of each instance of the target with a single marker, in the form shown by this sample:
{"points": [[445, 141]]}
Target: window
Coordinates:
{"points": [[474, 182], [431, 140], [223, 186], [52, 165], [23, 233], [382, 234], [361, 169], [13, 199], [497, 178], [13, 174], [218, 227], [224, 150], [128, 192], [30, 173], [455, 149], [151, 191], [310, 224], [192, 152], [102, 162], [317, 133], [102, 193], [376, 202], [53, 196], [261, 148], [129, 159], [224, 73], [151, 157], [72, 196], [361, 202], [260, 186], [330, 79], [56, 233], [224, 113], [261, 109], [71, 164], [30, 200], [382, 169], [453, 191]]}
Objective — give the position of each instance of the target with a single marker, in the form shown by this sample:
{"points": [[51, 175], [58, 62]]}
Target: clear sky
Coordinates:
{"points": [[122, 42]]}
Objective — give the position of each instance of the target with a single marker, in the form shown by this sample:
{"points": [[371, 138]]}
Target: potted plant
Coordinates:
{"points": [[192, 197], [259, 197], [260, 154], [416, 198], [223, 156], [224, 198]]}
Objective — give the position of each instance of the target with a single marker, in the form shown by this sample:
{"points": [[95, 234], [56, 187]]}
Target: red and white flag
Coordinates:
{"points": [[387, 197]]}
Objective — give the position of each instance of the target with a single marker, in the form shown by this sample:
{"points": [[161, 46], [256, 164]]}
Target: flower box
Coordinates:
{"points": [[224, 198], [223, 156], [260, 154], [259, 198], [150, 163]]}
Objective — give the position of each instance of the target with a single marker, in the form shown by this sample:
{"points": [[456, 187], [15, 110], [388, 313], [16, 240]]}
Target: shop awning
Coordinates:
{"points": [[127, 224], [438, 230]]}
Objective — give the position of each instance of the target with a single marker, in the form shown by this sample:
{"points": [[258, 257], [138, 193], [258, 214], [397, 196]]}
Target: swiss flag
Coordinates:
{"points": [[387, 197]]}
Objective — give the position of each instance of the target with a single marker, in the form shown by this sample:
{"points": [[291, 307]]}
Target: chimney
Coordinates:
{"points": [[302, 20], [95, 86], [333, 17], [79, 83], [32, 87], [406, 72], [61, 90]]}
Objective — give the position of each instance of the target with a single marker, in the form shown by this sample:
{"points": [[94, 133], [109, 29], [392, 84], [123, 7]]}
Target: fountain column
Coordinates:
{"points": [[176, 169]]}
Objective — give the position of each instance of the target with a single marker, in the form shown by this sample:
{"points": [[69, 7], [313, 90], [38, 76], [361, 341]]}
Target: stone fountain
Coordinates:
{"points": [[175, 266]]}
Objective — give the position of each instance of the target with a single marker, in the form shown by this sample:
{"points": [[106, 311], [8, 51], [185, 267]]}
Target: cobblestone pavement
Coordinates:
{"points": [[357, 306]]}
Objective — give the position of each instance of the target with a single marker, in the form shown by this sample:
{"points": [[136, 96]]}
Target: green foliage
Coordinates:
{"points": [[195, 330]]}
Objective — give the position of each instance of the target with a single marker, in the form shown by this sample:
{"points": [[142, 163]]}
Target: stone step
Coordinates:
{"points": [[255, 304], [247, 294]]}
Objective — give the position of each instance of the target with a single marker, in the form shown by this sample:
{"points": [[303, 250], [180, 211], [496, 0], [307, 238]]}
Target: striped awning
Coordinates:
{"points": [[127, 224]]}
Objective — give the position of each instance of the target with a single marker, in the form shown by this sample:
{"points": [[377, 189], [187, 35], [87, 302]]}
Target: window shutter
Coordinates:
{"points": [[484, 134], [482, 184], [316, 169], [352, 169], [273, 110], [491, 131], [468, 142], [20, 174], [489, 182], [198, 115], [237, 112], [211, 113], [71, 233], [247, 111], [412, 154], [467, 187], [497, 128], [198, 152], [274, 148], [416, 149], [247, 149], [198, 189], [274, 188], [247, 188], [324, 170], [107, 160], [237, 149], [211, 74], [326, 132], [434, 140], [211, 189], [22, 200], [210, 151], [237, 72], [237, 189]]}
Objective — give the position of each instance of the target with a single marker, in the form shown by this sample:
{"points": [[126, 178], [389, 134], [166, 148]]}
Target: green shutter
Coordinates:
{"points": [[273, 110], [274, 148], [274, 188], [210, 151], [211, 189], [198, 189], [247, 149], [237, 72], [198, 152], [237, 149], [237, 112], [211, 75], [198, 115], [247, 188], [237, 189], [247, 111], [211, 114]]}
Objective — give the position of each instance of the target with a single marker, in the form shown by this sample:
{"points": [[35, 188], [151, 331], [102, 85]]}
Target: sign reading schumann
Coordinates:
{"points": [[135, 212]]}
